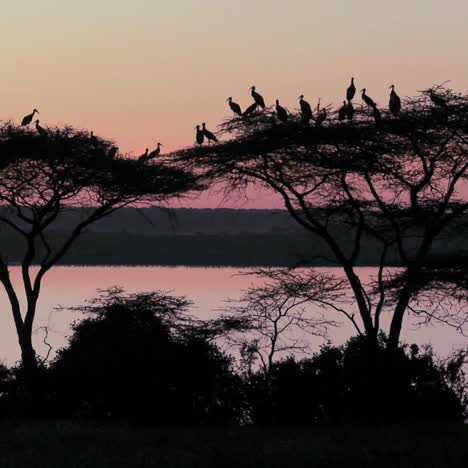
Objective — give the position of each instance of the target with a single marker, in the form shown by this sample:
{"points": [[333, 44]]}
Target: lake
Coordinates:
{"points": [[208, 288]]}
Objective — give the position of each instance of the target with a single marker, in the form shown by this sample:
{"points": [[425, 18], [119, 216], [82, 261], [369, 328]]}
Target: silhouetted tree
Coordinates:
{"points": [[133, 358], [276, 313], [41, 176], [397, 184]]}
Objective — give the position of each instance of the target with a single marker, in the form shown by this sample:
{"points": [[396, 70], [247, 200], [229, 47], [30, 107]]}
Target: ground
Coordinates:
{"points": [[75, 444]]}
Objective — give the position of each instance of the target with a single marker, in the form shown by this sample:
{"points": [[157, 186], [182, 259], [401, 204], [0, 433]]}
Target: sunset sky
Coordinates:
{"points": [[144, 71]]}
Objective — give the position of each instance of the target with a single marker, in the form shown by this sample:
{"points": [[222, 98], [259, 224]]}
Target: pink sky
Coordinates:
{"points": [[144, 71]]}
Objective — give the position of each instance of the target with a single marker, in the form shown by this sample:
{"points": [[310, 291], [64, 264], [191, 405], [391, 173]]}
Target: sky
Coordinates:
{"points": [[144, 71]]}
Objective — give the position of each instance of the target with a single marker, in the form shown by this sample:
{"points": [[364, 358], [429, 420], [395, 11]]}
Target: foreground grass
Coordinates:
{"points": [[69, 444]]}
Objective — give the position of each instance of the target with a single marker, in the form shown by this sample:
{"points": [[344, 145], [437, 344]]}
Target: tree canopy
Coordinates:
{"points": [[399, 180]]}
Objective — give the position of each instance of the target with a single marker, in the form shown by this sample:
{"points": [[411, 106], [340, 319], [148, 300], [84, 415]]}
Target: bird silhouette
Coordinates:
{"points": [[250, 110], [395, 102], [144, 156], [376, 114], [42, 131], [234, 106], [209, 135], [437, 100], [342, 111], [349, 110], [368, 100], [351, 91], [27, 119], [113, 152], [258, 98], [281, 111], [155, 153], [306, 110], [199, 136], [321, 117]]}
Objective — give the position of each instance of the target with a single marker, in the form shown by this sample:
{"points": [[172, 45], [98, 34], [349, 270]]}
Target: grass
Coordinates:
{"points": [[74, 444]]}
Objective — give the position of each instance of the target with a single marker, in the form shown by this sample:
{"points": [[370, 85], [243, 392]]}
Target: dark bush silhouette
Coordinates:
{"points": [[129, 363], [335, 386]]}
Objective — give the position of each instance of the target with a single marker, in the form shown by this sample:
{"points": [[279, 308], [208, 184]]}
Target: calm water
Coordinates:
{"points": [[206, 287]]}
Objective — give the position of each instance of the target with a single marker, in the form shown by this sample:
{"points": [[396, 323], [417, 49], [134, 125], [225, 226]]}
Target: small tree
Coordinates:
{"points": [[276, 315], [41, 176], [395, 183]]}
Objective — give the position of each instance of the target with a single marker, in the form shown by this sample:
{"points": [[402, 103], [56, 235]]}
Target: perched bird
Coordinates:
{"points": [[395, 102], [281, 111], [199, 136], [376, 115], [349, 110], [28, 118], [250, 110], [42, 131], [437, 100], [112, 152], [342, 111], [321, 117], [208, 135], [156, 152], [144, 156], [369, 101], [351, 91], [306, 110], [234, 106], [258, 98]]}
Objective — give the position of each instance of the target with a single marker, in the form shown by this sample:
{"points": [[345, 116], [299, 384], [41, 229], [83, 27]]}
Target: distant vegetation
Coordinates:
{"points": [[207, 237]]}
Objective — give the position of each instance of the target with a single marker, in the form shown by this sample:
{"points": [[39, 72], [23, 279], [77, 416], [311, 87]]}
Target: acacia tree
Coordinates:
{"points": [[44, 175], [275, 315], [395, 182]]}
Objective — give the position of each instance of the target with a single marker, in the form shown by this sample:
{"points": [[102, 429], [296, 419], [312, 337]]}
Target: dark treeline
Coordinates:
{"points": [[208, 238], [140, 358]]}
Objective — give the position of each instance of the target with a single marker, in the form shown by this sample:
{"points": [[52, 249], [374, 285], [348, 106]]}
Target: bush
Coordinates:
{"points": [[128, 363], [342, 384]]}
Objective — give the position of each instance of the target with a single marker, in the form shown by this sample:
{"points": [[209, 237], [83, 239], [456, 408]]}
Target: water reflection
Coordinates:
{"points": [[206, 287]]}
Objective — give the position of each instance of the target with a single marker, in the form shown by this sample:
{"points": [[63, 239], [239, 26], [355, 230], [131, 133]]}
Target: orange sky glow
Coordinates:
{"points": [[144, 71]]}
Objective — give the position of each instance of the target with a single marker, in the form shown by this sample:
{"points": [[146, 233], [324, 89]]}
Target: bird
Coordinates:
{"points": [[395, 102], [112, 152], [351, 91], [321, 117], [144, 156], [200, 136], [342, 111], [437, 100], [306, 110], [155, 153], [28, 118], [369, 101], [281, 111], [250, 110], [258, 98], [376, 114], [234, 106], [42, 131], [349, 110], [208, 135]]}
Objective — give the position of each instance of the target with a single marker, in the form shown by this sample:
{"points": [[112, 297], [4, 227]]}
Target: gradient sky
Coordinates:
{"points": [[144, 70]]}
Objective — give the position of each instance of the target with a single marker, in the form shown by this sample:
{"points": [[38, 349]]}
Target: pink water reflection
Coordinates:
{"points": [[206, 287]]}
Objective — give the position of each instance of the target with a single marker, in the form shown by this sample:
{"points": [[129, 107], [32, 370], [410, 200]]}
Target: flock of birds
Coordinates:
{"points": [[345, 112]]}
